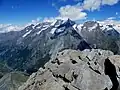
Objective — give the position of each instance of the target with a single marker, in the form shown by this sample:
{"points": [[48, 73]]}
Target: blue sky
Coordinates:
{"points": [[24, 11]]}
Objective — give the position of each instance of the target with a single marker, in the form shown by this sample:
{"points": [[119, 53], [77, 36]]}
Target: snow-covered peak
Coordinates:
{"points": [[69, 23], [93, 27], [79, 26], [109, 27], [106, 27], [115, 24], [53, 23], [57, 23], [90, 25], [117, 27], [61, 25], [30, 27], [102, 27]]}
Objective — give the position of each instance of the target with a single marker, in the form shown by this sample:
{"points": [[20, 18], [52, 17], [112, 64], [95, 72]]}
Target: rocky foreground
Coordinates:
{"points": [[77, 70]]}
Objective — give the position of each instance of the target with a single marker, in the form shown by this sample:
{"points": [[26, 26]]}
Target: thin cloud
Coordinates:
{"points": [[116, 13], [111, 18]]}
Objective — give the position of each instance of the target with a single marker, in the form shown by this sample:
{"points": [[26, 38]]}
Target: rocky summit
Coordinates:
{"points": [[77, 70]]}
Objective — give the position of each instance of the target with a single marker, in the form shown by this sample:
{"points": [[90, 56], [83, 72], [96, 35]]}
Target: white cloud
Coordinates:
{"points": [[51, 19], [72, 12], [78, 12], [37, 20], [9, 27], [111, 18], [91, 4], [109, 2], [96, 4]]}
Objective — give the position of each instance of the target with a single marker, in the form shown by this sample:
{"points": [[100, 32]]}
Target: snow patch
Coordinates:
{"points": [[39, 32], [108, 28], [84, 27], [60, 30], [45, 25], [27, 33], [38, 27], [117, 28], [33, 26], [75, 26], [79, 27], [64, 21], [91, 28], [44, 28], [53, 23], [53, 30], [27, 30], [103, 27]]}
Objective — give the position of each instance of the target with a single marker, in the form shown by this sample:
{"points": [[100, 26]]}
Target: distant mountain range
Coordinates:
{"points": [[32, 47]]}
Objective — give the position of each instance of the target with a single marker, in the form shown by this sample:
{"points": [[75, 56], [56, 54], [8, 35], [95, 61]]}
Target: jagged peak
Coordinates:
{"points": [[29, 26], [69, 22], [90, 23]]}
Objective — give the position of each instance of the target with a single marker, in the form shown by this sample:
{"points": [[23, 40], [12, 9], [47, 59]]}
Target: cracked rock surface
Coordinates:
{"points": [[74, 70]]}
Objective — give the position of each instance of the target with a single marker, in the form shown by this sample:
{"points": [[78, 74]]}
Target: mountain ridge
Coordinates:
{"points": [[30, 48], [22, 50]]}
